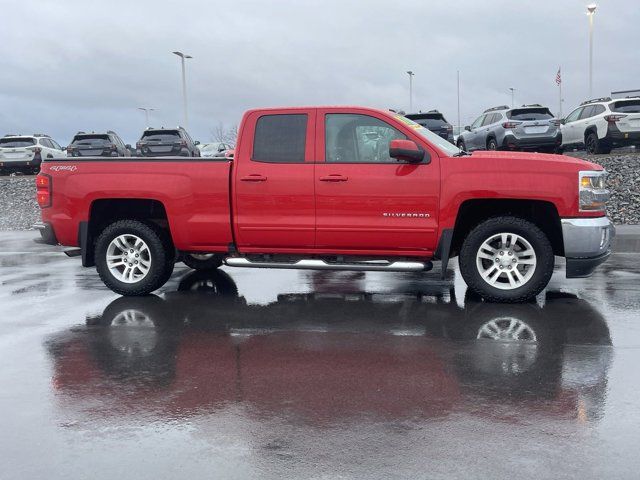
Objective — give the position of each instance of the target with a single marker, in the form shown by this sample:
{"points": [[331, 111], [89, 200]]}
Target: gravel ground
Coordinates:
{"points": [[18, 207], [19, 210]]}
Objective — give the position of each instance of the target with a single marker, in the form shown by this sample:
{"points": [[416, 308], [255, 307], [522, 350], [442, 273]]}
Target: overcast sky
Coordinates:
{"points": [[70, 65]]}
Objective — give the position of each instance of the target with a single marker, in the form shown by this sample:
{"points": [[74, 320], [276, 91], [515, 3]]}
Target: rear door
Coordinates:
{"points": [[366, 201], [273, 181]]}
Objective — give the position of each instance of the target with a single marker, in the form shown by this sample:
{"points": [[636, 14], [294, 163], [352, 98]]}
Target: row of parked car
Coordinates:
{"points": [[24, 153], [598, 125]]}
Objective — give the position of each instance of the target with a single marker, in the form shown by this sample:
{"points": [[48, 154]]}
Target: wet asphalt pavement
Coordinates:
{"points": [[286, 374]]}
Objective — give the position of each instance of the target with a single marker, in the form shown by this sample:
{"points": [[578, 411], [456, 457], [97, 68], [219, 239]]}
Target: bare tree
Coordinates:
{"points": [[220, 133]]}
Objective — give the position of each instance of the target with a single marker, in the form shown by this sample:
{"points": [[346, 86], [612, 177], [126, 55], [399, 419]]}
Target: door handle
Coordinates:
{"points": [[334, 178], [254, 178]]}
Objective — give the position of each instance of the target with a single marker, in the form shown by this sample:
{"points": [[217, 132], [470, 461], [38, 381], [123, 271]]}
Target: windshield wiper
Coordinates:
{"points": [[461, 153]]}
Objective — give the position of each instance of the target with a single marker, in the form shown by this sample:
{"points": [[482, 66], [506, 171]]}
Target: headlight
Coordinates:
{"points": [[592, 190]]}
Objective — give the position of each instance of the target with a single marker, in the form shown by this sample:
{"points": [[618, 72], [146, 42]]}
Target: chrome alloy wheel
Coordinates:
{"points": [[506, 261], [128, 258]]}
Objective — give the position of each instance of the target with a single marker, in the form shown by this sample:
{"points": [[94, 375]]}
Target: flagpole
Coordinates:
{"points": [[559, 81]]}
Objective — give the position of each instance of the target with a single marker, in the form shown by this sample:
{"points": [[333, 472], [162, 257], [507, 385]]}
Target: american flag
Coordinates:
{"points": [[558, 77]]}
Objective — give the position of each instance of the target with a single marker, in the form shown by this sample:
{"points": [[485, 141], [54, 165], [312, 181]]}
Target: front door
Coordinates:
{"points": [[366, 201], [273, 182]]}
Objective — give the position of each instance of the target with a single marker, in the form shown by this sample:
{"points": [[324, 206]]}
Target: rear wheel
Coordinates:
{"points": [[492, 144], [506, 259], [202, 261], [595, 146], [134, 257]]}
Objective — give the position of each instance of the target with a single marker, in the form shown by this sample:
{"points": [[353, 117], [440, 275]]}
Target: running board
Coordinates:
{"points": [[313, 264]]}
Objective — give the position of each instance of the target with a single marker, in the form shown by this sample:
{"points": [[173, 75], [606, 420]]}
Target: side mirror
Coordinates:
{"points": [[197, 142], [467, 128], [221, 148], [563, 121], [406, 150]]}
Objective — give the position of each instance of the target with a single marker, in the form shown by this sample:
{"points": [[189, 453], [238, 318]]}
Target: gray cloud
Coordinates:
{"points": [[86, 65]]}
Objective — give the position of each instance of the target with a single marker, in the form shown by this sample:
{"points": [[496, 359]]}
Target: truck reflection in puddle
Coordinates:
{"points": [[326, 356]]}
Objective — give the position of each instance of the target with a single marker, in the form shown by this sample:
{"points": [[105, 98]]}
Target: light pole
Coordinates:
{"points": [[411, 74], [146, 113], [184, 56], [591, 9], [458, 75], [512, 90]]}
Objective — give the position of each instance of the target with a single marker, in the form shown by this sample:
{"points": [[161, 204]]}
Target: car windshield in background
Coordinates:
{"points": [[161, 136], [16, 142], [211, 147], [430, 121], [626, 106], [444, 145], [91, 140], [525, 114]]}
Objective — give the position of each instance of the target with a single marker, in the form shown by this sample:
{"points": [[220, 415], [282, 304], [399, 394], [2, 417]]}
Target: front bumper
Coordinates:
{"points": [[587, 243]]}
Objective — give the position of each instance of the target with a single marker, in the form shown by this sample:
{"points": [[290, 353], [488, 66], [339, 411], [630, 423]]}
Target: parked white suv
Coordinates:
{"points": [[24, 153], [602, 124]]}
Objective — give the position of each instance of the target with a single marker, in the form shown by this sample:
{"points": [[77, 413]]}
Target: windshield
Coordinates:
{"points": [[13, 142], [626, 106], [211, 147], [530, 114], [447, 147], [91, 140], [161, 136]]}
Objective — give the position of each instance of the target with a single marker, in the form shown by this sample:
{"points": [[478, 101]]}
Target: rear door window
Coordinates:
{"points": [[626, 106], [13, 142], [587, 112], [280, 138]]}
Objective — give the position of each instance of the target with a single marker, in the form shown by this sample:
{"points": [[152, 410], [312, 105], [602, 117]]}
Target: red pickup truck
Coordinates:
{"points": [[344, 188]]}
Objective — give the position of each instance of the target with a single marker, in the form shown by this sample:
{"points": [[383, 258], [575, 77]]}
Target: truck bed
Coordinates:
{"points": [[194, 193]]}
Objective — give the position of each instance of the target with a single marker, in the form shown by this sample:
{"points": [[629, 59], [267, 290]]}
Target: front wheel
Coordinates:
{"points": [[134, 257], [492, 144], [202, 261], [461, 145], [506, 259]]}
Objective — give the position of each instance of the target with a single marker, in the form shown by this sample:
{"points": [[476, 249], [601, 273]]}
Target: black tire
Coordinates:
{"points": [[595, 146], [211, 262], [492, 144], [542, 270], [161, 256], [461, 145]]}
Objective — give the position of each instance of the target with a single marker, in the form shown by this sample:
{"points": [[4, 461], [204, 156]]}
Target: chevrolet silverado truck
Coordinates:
{"points": [[342, 188]]}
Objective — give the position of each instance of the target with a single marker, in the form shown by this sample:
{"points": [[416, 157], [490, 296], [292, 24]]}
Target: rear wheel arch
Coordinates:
{"points": [[105, 211], [539, 212]]}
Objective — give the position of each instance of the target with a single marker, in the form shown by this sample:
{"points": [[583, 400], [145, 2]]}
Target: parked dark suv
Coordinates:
{"points": [[98, 145], [433, 120], [170, 142]]}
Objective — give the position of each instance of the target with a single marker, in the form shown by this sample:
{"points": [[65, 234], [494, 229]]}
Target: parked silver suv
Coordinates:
{"points": [[530, 127]]}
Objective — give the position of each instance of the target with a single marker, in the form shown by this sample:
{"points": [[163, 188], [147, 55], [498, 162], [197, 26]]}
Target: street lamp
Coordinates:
{"points": [[411, 74], [512, 90], [184, 56], [146, 113], [591, 9]]}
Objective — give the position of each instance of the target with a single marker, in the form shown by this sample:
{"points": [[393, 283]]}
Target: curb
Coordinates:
{"points": [[627, 239]]}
